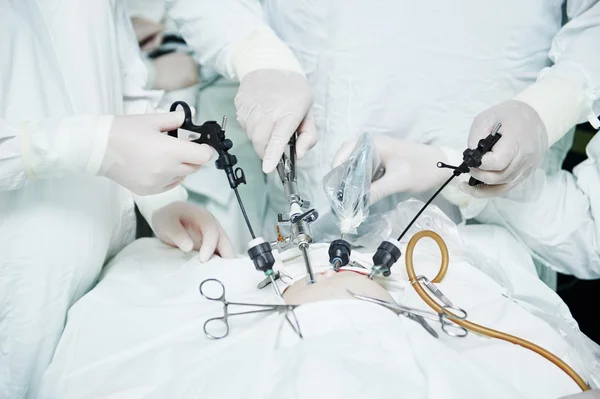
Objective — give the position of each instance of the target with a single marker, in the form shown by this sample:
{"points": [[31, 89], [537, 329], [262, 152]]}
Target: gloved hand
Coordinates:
{"points": [[520, 150], [271, 105], [187, 226], [409, 167], [146, 161], [175, 71]]}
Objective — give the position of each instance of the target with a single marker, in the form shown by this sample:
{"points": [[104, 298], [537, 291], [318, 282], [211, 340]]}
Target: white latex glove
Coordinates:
{"points": [[187, 226], [175, 71], [520, 150], [146, 161], [271, 105], [409, 167]]}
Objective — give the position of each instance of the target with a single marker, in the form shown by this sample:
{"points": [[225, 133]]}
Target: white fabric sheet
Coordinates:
{"points": [[138, 334]]}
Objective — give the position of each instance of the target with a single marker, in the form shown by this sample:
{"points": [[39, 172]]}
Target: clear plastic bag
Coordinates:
{"points": [[348, 185]]}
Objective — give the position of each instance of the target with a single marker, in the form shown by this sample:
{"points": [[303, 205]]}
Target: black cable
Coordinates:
{"points": [[239, 199], [439, 190]]}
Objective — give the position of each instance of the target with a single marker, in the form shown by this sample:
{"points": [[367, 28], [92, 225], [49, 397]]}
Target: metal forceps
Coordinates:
{"points": [[449, 309], [444, 318], [219, 295]]}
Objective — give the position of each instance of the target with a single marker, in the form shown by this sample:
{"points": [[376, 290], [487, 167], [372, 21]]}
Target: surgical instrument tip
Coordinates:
{"points": [[304, 248], [295, 324], [275, 287], [337, 264]]}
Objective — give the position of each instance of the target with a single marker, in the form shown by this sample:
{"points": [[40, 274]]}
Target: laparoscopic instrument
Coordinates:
{"points": [[389, 251], [218, 327], [212, 134], [300, 216], [259, 250]]}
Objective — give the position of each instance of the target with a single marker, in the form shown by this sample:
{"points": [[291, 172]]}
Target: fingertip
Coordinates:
{"points": [[343, 153], [274, 151], [300, 153], [205, 252], [176, 119], [194, 154], [225, 247], [186, 245], [272, 156], [211, 151], [307, 138], [269, 166], [303, 146]]}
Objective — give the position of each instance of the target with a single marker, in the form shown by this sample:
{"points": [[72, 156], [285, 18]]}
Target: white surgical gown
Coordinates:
{"points": [[423, 70], [58, 59], [62, 58], [558, 216], [139, 334]]}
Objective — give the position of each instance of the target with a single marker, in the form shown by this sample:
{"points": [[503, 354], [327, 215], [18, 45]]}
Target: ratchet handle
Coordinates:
{"points": [[473, 157], [210, 132]]}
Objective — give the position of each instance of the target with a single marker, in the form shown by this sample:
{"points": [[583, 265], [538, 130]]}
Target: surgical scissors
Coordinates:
{"points": [[219, 296], [444, 318], [451, 311]]}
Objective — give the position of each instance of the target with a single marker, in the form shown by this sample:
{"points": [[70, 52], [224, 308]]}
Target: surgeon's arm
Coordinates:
{"points": [[564, 95], [138, 99], [557, 216], [274, 98], [568, 93], [223, 33], [51, 148]]}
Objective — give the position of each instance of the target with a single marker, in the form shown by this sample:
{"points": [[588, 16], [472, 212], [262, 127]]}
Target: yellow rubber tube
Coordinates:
{"points": [[467, 324]]}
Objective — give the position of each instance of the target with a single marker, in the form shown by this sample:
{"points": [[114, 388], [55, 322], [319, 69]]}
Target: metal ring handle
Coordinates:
{"points": [[221, 320], [456, 312], [209, 297], [452, 329]]}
